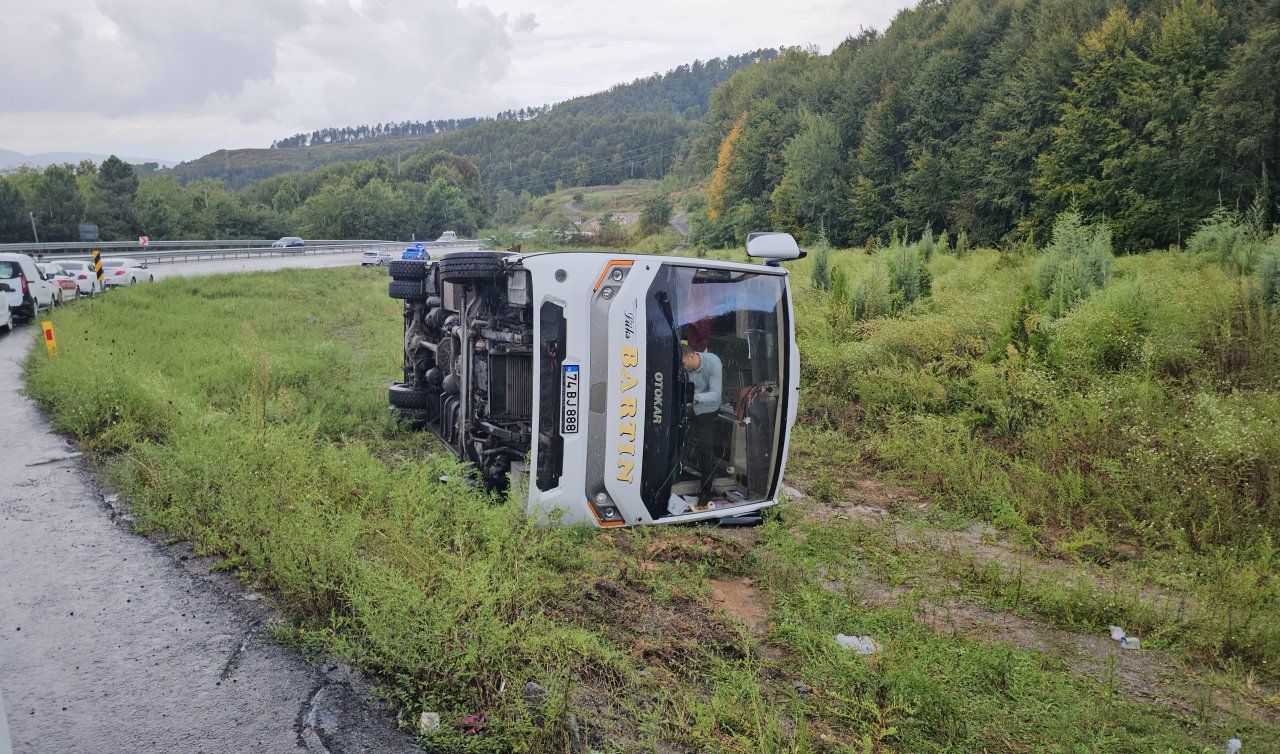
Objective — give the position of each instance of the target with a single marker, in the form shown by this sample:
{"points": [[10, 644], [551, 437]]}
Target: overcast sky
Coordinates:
{"points": [[176, 79]]}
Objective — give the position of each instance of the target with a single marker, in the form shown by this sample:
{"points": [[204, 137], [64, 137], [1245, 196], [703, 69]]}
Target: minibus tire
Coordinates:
{"points": [[407, 269], [408, 290], [401, 395], [463, 266]]}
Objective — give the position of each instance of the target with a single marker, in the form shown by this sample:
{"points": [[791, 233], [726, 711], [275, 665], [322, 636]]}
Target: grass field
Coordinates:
{"points": [[980, 502]]}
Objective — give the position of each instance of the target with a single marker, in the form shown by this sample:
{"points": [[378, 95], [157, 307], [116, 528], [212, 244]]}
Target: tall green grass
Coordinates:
{"points": [[1137, 404]]}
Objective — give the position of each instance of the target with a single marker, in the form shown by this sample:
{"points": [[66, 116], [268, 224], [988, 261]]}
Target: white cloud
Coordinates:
{"points": [[177, 78], [524, 23]]}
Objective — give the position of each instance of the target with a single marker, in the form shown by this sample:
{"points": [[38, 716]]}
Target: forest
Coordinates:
{"points": [[990, 117]]}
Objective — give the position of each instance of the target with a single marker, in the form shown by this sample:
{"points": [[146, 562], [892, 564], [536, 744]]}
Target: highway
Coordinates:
{"points": [[252, 264]]}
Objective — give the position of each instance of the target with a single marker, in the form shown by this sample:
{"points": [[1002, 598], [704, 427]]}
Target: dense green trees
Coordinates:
{"points": [[993, 116], [425, 194], [14, 227], [110, 203], [58, 204]]}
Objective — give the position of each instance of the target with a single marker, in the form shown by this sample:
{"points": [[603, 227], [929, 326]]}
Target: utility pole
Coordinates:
{"points": [[32, 215]]}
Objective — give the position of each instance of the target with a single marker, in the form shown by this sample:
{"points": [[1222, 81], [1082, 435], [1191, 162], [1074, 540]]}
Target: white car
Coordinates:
{"points": [[25, 288], [121, 271], [6, 319], [86, 277], [65, 281], [380, 258], [447, 237]]}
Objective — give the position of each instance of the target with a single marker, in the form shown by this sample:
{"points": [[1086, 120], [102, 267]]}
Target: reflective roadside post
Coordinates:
{"points": [[49, 341], [97, 268]]}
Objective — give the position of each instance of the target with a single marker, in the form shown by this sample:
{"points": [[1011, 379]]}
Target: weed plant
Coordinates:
{"points": [[1269, 274], [1227, 239]]}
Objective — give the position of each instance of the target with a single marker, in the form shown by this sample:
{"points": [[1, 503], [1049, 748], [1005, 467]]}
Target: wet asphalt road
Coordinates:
{"points": [[111, 642], [251, 264]]}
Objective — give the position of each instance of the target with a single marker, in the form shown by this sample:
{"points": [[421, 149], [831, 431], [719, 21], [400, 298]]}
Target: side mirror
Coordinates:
{"points": [[776, 246]]}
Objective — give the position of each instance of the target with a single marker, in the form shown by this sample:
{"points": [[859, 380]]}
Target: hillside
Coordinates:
{"points": [[240, 167], [992, 116], [630, 131]]}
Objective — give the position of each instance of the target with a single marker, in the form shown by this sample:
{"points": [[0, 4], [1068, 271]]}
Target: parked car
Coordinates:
{"points": [[447, 236], [6, 319], [379, 257], [288, 242], [24, 287], [66, 282], [122, 271], [86, 277], [415, 252]]}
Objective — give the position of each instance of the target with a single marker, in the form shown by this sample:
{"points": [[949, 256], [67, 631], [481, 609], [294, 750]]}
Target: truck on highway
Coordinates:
{"points": [[609, 389]]}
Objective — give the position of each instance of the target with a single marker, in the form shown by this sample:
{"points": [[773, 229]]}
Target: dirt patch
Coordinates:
{"points": [[669, 634], [668, 638], [979, 544], [1144, 675], [866, 499], [739, 598]]}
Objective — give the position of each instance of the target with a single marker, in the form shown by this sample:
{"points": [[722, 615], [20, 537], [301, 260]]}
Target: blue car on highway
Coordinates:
{"points": [[415, 252]]}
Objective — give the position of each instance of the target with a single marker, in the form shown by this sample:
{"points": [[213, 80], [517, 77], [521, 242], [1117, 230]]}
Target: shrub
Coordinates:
{"points": [[909, 278], [1109, 333], [1224, 238], [1076, 263], [870, 296], [820, 274], [839, 287], [1269, 273], [655, 213], [962, 244]]}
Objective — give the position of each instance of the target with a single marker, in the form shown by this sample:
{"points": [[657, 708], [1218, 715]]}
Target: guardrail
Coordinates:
{"points": [[60, 248], [233, 252]]}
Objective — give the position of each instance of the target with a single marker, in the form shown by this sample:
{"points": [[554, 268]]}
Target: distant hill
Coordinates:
{"points": [[241, 167], [630, 131], [10, 160]]}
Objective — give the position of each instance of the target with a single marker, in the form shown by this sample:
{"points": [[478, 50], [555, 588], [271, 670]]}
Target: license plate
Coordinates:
{"points": [[569, 400]]}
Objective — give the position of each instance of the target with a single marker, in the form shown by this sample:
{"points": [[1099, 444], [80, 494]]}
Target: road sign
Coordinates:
{"points": [[49, 341], [97, 265], [143, 240]]}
